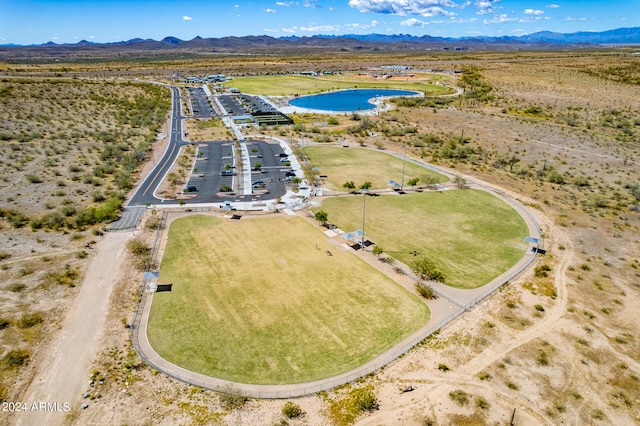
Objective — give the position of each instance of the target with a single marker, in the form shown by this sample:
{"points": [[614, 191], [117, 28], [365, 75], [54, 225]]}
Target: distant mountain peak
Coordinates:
{"points": [[171, 40]]}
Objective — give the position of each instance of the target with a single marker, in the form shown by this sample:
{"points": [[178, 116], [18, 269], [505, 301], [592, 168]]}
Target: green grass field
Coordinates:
{"points": [[290, 85], [254, 301], [471, 235], [361, 165]]}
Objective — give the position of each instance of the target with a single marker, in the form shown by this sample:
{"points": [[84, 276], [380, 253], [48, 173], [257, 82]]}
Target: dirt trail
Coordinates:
{"points": [[465, 374], [62, 375]]}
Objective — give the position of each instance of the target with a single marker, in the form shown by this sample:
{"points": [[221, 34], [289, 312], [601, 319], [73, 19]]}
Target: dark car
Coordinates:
{"points": [[290, 173], [228, 173]]}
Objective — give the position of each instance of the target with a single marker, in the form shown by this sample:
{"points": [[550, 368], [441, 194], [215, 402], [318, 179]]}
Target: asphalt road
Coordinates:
{"points": [[144, 194]]}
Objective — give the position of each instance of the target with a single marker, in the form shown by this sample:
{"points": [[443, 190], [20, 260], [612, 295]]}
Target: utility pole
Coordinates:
{"points": [[404, 161]]}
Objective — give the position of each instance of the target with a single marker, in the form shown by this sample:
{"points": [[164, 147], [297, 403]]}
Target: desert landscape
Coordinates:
{"points": [[557, 130]]}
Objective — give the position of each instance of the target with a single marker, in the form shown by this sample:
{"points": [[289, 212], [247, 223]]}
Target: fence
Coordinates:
{"points": [[138, 325]]}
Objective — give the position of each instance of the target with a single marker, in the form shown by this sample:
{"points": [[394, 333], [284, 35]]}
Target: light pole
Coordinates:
{"points": [[404, 161], [364, 199]]}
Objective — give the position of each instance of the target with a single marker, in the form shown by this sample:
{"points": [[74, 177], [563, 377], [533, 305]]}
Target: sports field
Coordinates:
{"points": [[471, 235], [360, 165], [290, 85], [260, 301]]}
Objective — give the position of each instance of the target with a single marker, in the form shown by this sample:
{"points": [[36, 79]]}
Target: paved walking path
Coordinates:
{"points": [[451, 303]]}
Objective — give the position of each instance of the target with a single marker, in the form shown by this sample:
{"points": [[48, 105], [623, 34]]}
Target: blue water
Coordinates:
{"points": [[346, 100]]}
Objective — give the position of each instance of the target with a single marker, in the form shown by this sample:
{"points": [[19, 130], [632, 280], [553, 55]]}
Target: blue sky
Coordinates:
{"points": [[69, 21]]}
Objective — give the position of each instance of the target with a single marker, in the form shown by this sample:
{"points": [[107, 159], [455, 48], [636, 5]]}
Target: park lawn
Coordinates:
{"points": [[360, 165], [291, 85], [471, 235], [259, 301]]}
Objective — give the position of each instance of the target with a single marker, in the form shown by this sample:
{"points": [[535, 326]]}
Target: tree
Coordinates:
{"points": [[413, 182], [428, 180], [322, 216], [365, 186], [377, 250], [427, 270], [460, 181], [349, 185]]}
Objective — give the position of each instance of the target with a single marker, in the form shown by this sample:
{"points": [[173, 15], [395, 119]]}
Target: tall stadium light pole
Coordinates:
{"points": [[404, 161], [364, 199]]}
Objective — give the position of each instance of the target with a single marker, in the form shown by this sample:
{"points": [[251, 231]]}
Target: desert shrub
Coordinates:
{"points": [[483, 375], [16, 358], [140, 252], [459, 396], [30, 320], [555, 177], [4, 254], [482, 403], [4, 323], [33, 178], [543, 358], [425, 291], [542, 271], [232, 399], [17, 287], [152, 223], [346, 409], [68, 277], [291, 410], [443, 367]]}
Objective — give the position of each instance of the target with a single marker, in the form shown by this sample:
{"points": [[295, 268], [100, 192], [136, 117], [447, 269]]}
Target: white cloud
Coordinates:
{"points": [[413, 22], [270, 10], [284, 3], [485, 6], [406, 7], [455, 20], [359, 26], [570, 18], [533, 12], [498, 19], [313, 29], [187, 18], [553, 6]]}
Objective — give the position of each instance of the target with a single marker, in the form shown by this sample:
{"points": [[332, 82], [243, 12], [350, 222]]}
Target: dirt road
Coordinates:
{"points": [[63, 375]]}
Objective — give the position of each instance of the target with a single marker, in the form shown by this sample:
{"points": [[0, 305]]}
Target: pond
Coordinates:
{"points": [[347, 100]]}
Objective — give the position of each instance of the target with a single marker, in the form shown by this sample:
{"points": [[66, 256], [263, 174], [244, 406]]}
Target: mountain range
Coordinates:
{"points": [[348, 42]]}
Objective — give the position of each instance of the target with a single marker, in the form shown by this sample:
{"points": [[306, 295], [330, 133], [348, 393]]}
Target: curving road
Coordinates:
{"points": [[145, 193]]}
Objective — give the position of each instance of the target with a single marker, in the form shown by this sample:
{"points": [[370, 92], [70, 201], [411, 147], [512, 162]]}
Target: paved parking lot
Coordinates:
{"points": [[211, 172], [200, 103]]}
